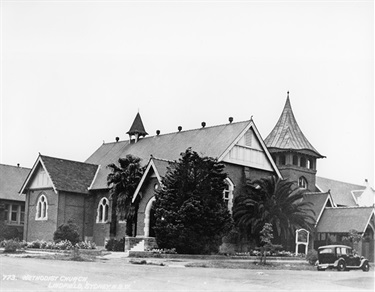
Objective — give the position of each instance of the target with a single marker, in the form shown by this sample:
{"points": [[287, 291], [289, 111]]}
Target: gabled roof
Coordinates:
{"points": [[343, 193], [287, 135], [207, 141], [65, 175], [11, 180], [137, 127], [341, 220], [157, 166], [319, 202]]}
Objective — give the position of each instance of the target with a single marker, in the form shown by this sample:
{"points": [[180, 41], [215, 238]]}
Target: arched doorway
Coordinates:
{"points": [[148, 230]]}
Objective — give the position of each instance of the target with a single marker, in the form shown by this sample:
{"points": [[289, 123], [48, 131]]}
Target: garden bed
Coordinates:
{"points": [[149, 254]]}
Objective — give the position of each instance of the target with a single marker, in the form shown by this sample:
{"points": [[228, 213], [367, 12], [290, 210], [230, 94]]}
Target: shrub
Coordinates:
{"points": [[11, 245], [86, 245], [10, 232], [67, 231], [312, 256], [50, 245], [164, 251], [64, 245], [115, 244], [34, 244]]}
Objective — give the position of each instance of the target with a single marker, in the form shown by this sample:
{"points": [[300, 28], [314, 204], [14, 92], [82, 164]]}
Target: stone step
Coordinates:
{"points": [[140, 246]]}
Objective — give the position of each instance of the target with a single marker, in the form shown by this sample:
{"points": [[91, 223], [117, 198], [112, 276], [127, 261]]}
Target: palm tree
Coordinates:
{"points": [[123, 181], [275, 201]]}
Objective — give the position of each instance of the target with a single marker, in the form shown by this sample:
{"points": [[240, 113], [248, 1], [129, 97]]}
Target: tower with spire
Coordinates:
{"points": [[294, 155], [137, 130]]}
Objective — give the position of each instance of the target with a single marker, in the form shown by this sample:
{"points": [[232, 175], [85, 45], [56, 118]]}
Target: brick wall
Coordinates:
{"points": [[41, 229], [100, 230], [148, 192], [239, 176], [293, 173], [71, 207]]}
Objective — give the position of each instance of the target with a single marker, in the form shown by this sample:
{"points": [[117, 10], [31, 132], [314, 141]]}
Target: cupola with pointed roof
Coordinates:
{"points": [[137, 129], [293, 153]]}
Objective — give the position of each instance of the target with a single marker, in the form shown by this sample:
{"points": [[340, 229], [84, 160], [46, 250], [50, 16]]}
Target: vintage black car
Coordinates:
{"points": [[340, 257]]}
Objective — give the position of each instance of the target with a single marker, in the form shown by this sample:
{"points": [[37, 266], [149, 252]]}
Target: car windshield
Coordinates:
{"points": [[326, 250]]}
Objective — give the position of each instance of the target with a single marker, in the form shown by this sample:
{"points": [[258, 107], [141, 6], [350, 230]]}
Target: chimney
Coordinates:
{"points": [[230, 119], [203, 124], [179, 128]]}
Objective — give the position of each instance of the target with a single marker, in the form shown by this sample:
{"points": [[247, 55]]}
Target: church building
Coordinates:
{"points": [[58, 190]]}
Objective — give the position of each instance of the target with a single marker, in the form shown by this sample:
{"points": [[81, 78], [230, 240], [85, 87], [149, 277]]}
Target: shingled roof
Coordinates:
{"points": [[11, 180], [341, 220], [207, 141], [66, 175], [343, 194], [318, 203], [287, 135]]}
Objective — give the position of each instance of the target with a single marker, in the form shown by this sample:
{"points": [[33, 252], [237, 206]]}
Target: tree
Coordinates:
{"points": [[266, 236], [353, 238], [191, 215], [67, 231], [123, 181], [275, 201]]}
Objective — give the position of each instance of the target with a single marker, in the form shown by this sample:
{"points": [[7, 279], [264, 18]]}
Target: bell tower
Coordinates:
{"points": [[137, 130], [293, 154]]}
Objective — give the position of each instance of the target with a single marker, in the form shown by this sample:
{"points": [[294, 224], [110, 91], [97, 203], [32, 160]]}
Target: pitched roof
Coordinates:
{"points": [[339, 220], [343, 194], [207, 141], [137, 127], [319, 202], [66, 175], [158, 166], [287, 135], [11, 180]]}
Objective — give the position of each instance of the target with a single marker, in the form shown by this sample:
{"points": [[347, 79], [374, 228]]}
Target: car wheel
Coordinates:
{"points": [[320, 269], [341, 266], [366, 267]]}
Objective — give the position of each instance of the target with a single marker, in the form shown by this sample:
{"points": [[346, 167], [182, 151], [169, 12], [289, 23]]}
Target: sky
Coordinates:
{"points": [[75, 74]]}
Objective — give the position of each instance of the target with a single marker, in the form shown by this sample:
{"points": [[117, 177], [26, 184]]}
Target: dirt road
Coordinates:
{"points": [[33, 274]]}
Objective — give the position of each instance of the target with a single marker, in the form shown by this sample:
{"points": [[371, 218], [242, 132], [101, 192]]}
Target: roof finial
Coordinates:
{"points": [[287, 93]]}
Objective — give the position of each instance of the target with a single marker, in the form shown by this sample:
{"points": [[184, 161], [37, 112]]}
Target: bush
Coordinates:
{"points": [[34, 244], [10, 232], [115, 244], [164, 251], [86, 245], [11, 245], [67, 231], [64, 245], [312, 256]]}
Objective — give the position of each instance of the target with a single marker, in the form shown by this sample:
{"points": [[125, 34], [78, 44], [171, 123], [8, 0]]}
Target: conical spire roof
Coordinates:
{"points": [[137, 127], [287, 135]]}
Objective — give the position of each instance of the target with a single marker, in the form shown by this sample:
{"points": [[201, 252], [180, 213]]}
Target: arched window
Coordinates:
{"points": [[102, 212], [228, 194], [41, 208], [302, 182], [295, 160]]}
